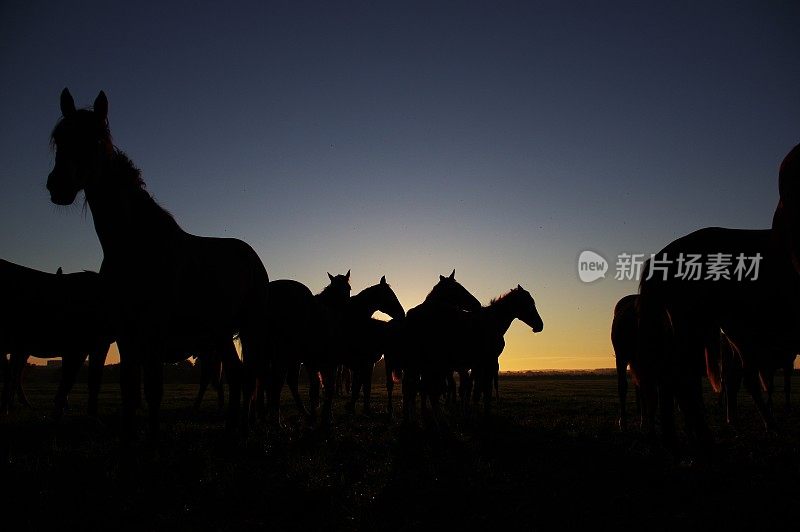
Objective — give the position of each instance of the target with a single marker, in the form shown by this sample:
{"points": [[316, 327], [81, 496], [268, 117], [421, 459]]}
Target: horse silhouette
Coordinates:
{"points": [[302, 325], [698, 309], [624, 338], [49, 315], [174, 293], [440, 337], [448, 292], [362, 340]]}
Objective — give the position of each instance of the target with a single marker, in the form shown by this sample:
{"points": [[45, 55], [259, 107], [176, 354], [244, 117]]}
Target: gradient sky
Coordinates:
{"points": [[411, 138]]}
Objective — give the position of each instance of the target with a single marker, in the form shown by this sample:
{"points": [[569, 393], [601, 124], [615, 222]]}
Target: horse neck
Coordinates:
{"points": [[501, 313], [126, 217], [442, 297], [363, 304], [329, 301]]}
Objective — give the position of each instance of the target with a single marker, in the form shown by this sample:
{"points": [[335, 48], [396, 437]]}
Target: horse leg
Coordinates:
{"points": [[389, 388], [347, 377], [129, 383], [356, 385], [5, 365], [70, 366], [496, 378], [205, 379], [622, 390], [409, 395], [751, 382], [487, 393], [240, 384], [20, 388], [11, 382], [273, 384], [339, 380], [732, 383], [788, 369], [450, 390], [768, 381], [690, 400], [477, 388], [367, 385], [97, 360], [329, 385], [218, 383], [666, 408], [292, 380], [313, 390], [153, 391]]}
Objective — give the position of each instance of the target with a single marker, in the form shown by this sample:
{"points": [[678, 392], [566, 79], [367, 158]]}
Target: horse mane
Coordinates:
{"points": [[326, 292], [123, 168], [499, 299], [427, 298]]}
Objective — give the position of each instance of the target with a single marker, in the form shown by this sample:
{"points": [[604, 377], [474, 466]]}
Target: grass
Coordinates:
{"points": [[552, 457]]}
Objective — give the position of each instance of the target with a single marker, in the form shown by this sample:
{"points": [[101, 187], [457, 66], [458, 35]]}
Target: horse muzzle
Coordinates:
{"points": [[62, 198], [59, 194]]}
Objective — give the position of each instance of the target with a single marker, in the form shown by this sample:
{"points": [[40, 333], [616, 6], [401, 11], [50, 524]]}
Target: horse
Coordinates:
{"points": [[357, 339], [363, 340], [49, 315], [439, 338], [302, 324], [451, 293], [174, 292], [447, 291], [699, 307]]}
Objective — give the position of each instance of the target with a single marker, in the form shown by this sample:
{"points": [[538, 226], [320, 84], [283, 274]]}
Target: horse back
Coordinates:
{"points": [[44, 314]]}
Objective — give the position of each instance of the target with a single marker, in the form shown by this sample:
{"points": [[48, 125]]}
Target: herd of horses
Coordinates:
{"points": [[164, 295], [734, 331]]}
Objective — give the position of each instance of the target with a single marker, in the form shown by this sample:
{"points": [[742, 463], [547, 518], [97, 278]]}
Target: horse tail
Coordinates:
{"points": [[714, 368]]}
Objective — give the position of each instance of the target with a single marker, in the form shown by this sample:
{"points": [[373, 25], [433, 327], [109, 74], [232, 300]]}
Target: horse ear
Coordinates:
{"points": [[383, 279], [101, 105], [519, 287], [453, 275], [67, 103], [347, 275], [330, 276], [59, 271], [441, 277]]}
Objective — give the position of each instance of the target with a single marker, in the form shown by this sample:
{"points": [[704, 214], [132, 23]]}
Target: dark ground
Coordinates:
{"points": [[552, 458]]}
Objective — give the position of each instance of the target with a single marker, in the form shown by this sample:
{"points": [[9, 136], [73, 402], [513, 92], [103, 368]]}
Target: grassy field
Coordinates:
{"points": [[552, 458]]}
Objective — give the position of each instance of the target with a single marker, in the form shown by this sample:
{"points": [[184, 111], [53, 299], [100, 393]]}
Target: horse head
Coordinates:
{"points": [[387, 301], [339, 289], [451, 292], [526, 309], [786, 222], [82, 142]]}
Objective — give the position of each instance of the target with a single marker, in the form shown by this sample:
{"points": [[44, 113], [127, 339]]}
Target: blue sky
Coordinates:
{"points": [[411, 138]]}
